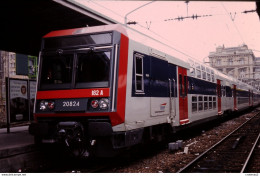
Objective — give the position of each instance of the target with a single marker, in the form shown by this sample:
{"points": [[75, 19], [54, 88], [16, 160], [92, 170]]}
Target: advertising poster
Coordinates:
{"points": [[19, 103]]}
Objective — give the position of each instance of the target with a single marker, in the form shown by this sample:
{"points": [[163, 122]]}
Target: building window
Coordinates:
{"points": [[241, 61], [218, 62], [242, 73], [139, 83], [230, 61]]}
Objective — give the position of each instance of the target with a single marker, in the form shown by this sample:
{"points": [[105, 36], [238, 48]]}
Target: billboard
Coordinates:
{"points": [[21, 97]]}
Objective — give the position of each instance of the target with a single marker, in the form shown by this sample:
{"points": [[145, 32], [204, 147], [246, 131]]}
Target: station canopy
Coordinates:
{"points": [[25, 22]]}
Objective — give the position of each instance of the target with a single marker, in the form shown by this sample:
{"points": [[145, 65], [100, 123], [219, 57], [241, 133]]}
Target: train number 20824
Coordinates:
{"points": [[70, 103]]}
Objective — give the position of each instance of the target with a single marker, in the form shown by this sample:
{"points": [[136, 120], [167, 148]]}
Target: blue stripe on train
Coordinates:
{"points": [[156, 75]]}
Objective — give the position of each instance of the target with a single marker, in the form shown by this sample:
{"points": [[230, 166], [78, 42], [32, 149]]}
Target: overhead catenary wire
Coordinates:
{"points": [[148, 23], [136, 23], [234, 24]]}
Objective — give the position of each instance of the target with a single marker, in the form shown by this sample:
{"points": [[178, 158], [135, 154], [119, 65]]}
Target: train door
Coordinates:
{"points": [[158, 87], [219, 94], [235, 97], [172, 90], [183, 99]]}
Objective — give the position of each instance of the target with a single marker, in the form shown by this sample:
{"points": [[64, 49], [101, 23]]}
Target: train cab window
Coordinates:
{"points": [[93, 69], [56, 71], [139, 83]]}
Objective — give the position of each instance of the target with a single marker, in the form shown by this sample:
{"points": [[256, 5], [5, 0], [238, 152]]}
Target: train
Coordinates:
{"points": [[104, 89]]}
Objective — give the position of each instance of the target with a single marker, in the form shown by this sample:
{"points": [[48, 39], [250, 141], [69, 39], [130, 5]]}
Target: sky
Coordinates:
{"points": [[222, 23]]}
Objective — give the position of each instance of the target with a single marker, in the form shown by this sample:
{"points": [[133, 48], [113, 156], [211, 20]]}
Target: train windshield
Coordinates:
{"points": [[56, 72], [77, 70], [93, 69]]}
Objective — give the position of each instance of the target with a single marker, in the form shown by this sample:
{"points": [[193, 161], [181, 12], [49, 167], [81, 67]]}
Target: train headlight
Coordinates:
{"points": [[103, 103], [51, 105], [43, 105], [46, 105], [94, 104]]}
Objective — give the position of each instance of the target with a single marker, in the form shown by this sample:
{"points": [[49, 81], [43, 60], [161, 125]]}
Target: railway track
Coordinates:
{"points": [[49, 160], [236, 153]]}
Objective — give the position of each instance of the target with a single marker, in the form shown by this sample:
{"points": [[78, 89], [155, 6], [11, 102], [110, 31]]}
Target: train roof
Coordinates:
{"points": [[134, 35], [87, 30], [156, 44]]}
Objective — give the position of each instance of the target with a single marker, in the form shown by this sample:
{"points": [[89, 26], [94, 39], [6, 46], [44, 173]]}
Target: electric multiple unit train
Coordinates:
{"points": [[107, 88]]}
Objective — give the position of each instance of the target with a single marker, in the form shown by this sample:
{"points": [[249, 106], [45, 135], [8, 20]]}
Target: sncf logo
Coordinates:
{"points": [[162, 106]]}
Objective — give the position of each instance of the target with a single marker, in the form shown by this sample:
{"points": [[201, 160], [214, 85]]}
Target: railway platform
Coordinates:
{"points": [[17, 141]]}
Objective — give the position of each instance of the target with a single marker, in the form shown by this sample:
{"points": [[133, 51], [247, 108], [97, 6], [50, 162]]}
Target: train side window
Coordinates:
{"points": [[212, 76], [139, 81], [210, 102], [194, 104], [200, 103], [203, 72], [198, 73], [208, 77], [205, 103], [204, 75], [214, 102], [197, 65], [223, 90], [192, 71]]}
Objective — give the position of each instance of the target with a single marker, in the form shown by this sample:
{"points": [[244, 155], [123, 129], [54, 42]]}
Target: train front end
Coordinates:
{"points": [[81, 89]]}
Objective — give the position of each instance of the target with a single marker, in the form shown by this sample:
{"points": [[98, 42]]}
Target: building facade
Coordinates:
{"points": [[8, 68], [239, 62]]}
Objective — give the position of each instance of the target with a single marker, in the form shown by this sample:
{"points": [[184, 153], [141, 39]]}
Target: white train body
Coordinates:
{"points": [[151, 91]]}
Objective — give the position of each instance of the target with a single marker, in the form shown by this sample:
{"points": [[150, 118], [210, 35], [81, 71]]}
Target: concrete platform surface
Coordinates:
{"points": [[17, 141]]}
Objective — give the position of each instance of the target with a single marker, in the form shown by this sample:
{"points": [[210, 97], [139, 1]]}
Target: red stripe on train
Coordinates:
{"points": [[119, 117], [74, 93]]}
